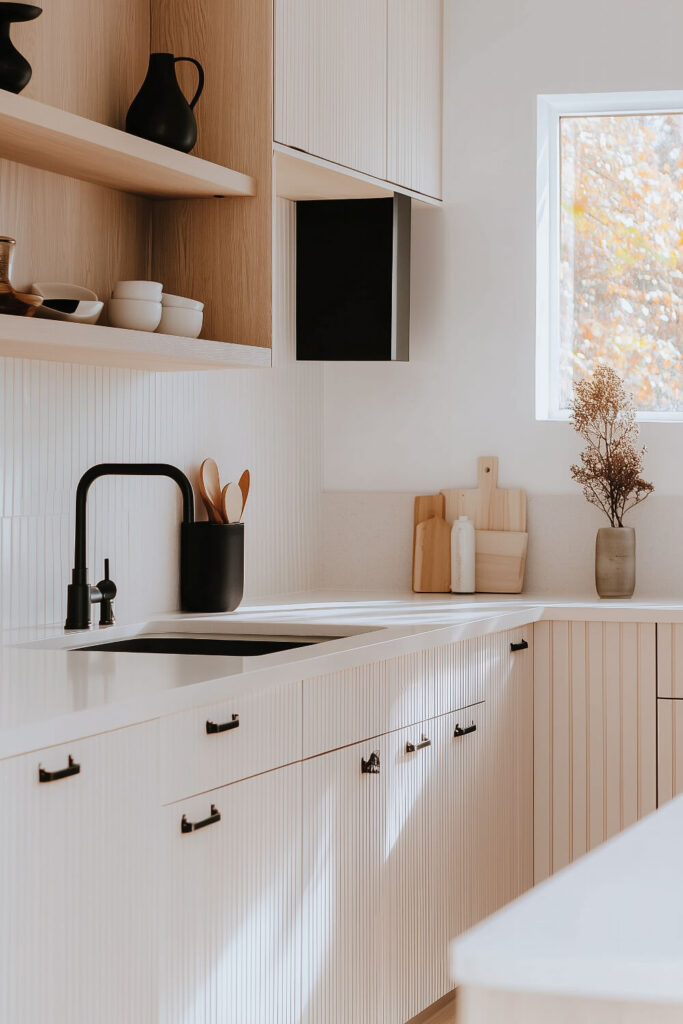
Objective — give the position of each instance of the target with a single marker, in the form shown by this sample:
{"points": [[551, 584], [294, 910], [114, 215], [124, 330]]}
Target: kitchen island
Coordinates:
{"points": [[600, 942]]}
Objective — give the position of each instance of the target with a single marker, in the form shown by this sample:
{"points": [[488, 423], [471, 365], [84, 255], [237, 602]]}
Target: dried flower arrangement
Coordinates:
{"points": [[603, 414]]}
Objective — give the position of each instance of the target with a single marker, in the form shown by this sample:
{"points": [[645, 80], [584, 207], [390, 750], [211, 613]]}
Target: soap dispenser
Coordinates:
{"points": [[462, 556]]}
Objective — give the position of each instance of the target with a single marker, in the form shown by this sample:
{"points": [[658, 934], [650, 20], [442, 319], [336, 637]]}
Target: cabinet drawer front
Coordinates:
{"points": [[350, 706], [230, 740]]}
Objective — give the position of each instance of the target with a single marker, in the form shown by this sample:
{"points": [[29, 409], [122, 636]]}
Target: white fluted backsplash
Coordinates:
{"points": [[57, 419]]}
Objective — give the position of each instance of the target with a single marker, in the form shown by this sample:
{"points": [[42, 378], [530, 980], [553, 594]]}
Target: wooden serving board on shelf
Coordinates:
{"points": [[487, 505]]}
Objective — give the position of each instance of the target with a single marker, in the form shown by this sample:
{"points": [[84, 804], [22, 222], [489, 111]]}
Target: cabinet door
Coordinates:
{"points": [[230, 904], [348, 901], [414, 94], [330, 80], [669, 750], [595, 760], [78, 882]]}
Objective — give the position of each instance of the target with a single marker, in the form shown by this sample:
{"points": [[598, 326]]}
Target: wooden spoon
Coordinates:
{"points": [[210, 490], [244, 482], [231, 503]]}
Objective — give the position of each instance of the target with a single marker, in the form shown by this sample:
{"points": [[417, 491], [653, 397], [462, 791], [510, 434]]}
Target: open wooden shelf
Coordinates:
{"points": [[64, 342], [51, 139]]}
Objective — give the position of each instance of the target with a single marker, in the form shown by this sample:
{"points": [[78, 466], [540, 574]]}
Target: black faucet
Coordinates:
{"points": [[80, 594]]}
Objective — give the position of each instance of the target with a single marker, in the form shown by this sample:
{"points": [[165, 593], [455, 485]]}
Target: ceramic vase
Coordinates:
{"points": [[615, 561], [160, 112], [15, 70]]}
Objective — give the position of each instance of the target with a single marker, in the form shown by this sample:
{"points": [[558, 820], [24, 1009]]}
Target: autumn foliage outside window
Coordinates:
{"points": [[621, 254]]}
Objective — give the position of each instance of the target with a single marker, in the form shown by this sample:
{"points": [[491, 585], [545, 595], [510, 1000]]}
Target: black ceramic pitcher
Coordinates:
{"points": [[160, 111]]}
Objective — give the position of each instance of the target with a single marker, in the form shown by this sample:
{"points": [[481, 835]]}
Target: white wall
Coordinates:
{"points": [[57, 419], [469, 387]]}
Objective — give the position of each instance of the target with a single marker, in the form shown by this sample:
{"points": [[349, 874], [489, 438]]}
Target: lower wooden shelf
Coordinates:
{"points": [[63, 342]]}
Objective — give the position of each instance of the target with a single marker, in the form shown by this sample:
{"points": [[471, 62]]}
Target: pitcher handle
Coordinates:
{"points": [[200, 73]]}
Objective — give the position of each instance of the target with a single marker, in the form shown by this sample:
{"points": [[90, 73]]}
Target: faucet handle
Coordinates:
{"points": [[107, 589]]}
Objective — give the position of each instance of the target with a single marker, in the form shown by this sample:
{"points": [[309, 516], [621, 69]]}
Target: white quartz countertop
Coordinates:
{"points": [[50, 696], [608, 926]]}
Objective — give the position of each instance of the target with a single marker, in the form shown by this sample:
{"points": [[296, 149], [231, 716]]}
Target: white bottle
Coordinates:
{"points": [[462, 556]]}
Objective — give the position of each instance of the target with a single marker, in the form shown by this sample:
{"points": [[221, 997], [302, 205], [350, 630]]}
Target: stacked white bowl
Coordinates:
{"points": [[136, 305], [180, 316]]}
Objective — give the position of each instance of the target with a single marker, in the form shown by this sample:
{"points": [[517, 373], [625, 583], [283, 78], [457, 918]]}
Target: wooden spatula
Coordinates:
{"points": [[232, 503], [210, 490]]}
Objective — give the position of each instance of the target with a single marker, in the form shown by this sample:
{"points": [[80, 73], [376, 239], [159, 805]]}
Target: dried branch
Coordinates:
{"points": [[603, 414]]}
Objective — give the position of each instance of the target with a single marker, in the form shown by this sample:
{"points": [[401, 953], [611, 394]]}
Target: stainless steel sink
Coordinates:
{"points": [[192, 643]]}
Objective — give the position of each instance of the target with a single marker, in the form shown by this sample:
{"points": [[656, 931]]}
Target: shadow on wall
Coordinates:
{"points": [[368, 544]]}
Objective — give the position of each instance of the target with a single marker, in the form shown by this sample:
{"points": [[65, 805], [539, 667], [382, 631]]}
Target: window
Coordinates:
{"points": [[610, 247]]}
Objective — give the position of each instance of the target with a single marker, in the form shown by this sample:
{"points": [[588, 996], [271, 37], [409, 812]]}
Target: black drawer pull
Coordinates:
{"points": [[520, 646], [424, 742], [192, 826], [214, 727], [459, 731], [63, 773], [371, 766]]}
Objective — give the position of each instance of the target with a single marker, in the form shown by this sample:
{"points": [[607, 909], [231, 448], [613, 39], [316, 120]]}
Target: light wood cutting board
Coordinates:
{"points": [[432, 557], [487, 505], [500, 561]]}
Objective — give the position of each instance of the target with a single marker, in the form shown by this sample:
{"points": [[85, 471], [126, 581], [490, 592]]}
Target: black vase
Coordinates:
{"points": [[15, 70], [160, 111]]}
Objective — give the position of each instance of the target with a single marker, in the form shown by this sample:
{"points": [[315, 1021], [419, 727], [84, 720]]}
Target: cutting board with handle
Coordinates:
{"points": [[431, 546], [487, 505], [500, 560]]}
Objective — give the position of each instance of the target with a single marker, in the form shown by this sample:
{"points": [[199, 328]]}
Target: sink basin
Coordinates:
{"points": [[179, 643]]}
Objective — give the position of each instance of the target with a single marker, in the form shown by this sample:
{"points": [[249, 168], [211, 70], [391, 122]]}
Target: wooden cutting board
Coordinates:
{"points": [[432, 556], [500, 560], [487, 505]]}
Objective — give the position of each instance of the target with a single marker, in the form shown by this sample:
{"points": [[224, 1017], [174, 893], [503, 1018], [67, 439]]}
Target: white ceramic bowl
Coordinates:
{"points": [[187, 323], [87, 311], [181, 302], [135, 314], [146, 290]]}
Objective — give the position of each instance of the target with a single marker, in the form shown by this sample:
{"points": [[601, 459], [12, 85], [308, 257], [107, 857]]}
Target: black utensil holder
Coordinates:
{"points": [[211, 566]]}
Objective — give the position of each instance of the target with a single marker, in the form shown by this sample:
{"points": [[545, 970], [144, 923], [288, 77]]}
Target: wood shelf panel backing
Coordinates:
{"points": [[42, 136], [32, 338], [222, 253]]}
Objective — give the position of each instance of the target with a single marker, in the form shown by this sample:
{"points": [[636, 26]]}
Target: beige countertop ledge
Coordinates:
{"points": [[50, 696]]}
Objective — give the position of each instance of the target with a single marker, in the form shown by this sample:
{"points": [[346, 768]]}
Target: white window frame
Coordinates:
{"points": [[550, 109]]}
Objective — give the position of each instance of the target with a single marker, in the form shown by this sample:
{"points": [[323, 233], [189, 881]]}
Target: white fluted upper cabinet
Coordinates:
{"points": [[414, 94], [359, 84]]}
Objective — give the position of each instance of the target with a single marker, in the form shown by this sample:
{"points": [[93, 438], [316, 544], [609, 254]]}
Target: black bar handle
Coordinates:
{"points": [[192, 826], [214, 727], [460, 731], [371, 766], [63, 773], [424, 742], [520, 646]]}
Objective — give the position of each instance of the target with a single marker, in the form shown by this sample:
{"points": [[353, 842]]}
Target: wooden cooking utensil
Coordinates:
{"points": [[432, 559], [210, 490], [244, 483], [500, 561], [488, 506], [232, 503]]}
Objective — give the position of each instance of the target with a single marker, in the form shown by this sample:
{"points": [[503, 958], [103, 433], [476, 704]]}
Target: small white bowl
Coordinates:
{"points": [[87, 311], [145, 290], [181, 302], [135, 314], [187, 323]]}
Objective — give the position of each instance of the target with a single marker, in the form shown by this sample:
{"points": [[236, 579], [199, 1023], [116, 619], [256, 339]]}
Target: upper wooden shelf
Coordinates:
{"points": [[51, 139], [28, 337]]}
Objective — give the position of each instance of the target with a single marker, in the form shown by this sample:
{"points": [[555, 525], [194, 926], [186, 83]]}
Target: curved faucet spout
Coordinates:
{"points": [[80, 594]]}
